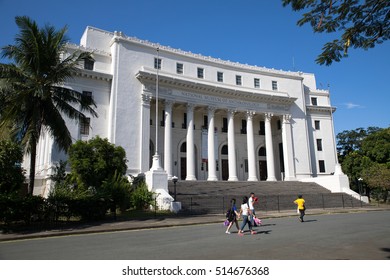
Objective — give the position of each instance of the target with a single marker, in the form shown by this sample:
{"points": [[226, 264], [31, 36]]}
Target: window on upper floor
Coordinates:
{"points": [[179, 68], [321, 164], [243, 126], [224, 125], [279, 124], [262, 128], [89, 63], [84, 125], [319, 144], [256, 83], [317, 125], [314, 101], [184, 124], [200, 73], [274, 85], [220, 76], [205, 121], [238, 80], [87, 97], [157, 63]]}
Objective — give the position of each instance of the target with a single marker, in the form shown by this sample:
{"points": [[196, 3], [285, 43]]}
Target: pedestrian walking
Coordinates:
{"points": [[252, 200], [232, 216], [245, 212], [301, 207]]}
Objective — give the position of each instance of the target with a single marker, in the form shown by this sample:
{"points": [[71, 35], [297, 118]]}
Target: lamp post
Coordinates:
{"points": [[174, 180], [360, 189]]}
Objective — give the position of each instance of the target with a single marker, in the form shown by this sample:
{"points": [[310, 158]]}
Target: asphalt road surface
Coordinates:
{"points": [[355, 236]]}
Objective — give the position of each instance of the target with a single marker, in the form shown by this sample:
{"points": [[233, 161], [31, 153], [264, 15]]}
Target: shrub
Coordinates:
{"points": [[141, 197]]}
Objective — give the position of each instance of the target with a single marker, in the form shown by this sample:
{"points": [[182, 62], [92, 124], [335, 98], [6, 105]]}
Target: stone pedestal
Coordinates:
{"points": [[157, 181]]}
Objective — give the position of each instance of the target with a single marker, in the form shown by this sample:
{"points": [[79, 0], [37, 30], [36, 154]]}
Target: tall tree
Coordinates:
{"points": [[35, 99], [363, 24]]}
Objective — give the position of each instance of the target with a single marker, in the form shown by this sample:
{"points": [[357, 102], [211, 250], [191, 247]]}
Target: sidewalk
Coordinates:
{"points": [[134, 224]]}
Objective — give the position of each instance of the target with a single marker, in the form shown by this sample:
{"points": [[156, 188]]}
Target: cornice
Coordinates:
{"points": [[147, 76], [84, 49], [327, 109], [93, 75]]}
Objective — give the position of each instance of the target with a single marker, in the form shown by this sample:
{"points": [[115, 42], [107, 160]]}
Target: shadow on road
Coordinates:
{"points": [[386, 250]]}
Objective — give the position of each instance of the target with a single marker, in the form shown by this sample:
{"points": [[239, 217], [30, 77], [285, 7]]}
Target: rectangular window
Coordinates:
{"points": [[224, 125], [314, 101], [84, 126], [157, 63], [162, 122], [321, 164], [317, 125], [219, 76], [256, 83], [238, 80], [274, 85], [88, 64], [246, 166], [179, 68], [184, 124], [200, 73], [87, 97], [205, 121], [243, 126], [319, 144], [262, 128]]}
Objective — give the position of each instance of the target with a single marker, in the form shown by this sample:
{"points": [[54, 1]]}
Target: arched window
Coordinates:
{"points": [[183, 148], [224, 150], [262, 152]]}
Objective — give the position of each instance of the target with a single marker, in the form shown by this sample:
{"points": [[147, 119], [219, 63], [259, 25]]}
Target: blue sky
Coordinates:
{"points": [[256, 32]]}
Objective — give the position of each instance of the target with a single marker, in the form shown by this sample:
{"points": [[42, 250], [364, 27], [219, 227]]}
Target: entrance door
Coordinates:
{"points": [[225, 169], [183, 168], [263, 170]]}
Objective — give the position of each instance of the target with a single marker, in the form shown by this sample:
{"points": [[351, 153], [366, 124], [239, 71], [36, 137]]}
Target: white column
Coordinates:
{"points": [[145, 133], [232, 147], [168, 138], [288, 153], [269, 148], [190, 144], [211, 146], [251, 147]]}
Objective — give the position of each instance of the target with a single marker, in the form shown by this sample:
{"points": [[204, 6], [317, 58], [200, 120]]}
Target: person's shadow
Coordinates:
{"points": [[309, 221]]}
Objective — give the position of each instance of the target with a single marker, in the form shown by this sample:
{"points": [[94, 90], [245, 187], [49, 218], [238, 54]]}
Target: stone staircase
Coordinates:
{"points": [[207, 197]]}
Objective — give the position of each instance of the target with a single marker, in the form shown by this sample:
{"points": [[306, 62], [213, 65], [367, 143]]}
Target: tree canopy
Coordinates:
{"points": [[95, 161], [365, 154], [358, 24]]}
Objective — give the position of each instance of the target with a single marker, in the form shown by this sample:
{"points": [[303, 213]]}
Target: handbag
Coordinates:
{"points": [[257, 221], [226, 223]]}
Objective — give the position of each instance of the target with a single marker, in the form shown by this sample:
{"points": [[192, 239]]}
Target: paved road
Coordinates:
{"points": [[339, 236]]}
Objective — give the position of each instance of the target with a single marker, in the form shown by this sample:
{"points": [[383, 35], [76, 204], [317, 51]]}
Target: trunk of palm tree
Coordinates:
{"points": [[33, 155]]}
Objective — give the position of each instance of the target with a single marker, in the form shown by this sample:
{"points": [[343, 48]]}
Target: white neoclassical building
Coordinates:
{"points": [[216, 119]]}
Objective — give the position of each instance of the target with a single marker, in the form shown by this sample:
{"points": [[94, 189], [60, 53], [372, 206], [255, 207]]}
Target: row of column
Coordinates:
{"points": [[232, 162]]}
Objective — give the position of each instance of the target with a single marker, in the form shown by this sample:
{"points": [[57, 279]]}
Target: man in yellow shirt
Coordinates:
{"points": [[301, 206]]}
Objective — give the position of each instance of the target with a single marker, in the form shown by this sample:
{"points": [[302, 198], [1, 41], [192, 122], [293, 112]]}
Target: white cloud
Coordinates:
{"points": [[352, 105]]}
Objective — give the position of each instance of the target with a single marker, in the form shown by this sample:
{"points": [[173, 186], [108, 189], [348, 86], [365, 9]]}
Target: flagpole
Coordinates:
{"points": [[158, 58]]}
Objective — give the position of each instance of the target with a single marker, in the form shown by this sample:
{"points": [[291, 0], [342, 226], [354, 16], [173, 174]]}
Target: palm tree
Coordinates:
{"points": [[34, 97]]}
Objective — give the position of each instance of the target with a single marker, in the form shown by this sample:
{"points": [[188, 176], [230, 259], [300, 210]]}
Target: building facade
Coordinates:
{"points": [[214, 119]]}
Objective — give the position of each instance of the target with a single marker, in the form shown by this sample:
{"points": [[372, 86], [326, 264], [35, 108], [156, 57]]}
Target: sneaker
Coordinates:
{"points": [[227, 232], [253, 232]]}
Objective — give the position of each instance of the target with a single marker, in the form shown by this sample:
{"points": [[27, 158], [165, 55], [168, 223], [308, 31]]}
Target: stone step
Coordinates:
{"points": [[200, 197]]}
